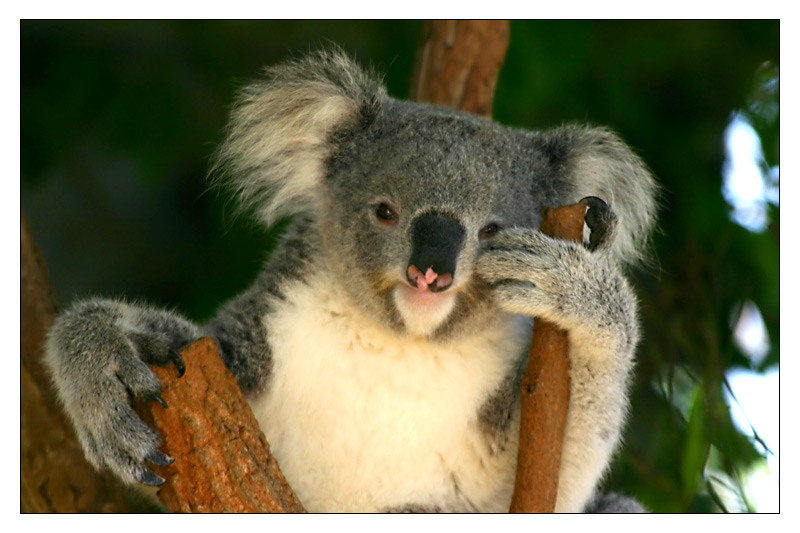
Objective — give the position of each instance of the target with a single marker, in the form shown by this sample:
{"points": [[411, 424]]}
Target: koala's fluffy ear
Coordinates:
{"points": [[600, 164], [282, 127]]}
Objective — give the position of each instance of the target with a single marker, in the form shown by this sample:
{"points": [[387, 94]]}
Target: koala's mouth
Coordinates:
{"points": [[422, 310], [429, 280]]}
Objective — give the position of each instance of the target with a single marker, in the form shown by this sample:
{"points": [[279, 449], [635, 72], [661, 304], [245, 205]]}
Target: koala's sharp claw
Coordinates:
{"points": [[158, 458], [601, 220], [593, 202], [149, 478], [177, 360], [157, 397]]}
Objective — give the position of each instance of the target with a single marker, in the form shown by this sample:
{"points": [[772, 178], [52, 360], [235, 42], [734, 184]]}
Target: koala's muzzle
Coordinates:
{"points": [[436, 241]]}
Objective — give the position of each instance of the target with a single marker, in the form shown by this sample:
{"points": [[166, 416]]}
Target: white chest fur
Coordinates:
{"points": [[361, 419]]}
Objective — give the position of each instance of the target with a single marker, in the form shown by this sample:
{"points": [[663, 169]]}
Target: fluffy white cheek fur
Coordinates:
{"points": [[423, 312]]}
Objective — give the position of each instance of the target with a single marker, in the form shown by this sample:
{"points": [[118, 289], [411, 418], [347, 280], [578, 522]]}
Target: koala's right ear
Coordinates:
{"points": [[281, 130]]}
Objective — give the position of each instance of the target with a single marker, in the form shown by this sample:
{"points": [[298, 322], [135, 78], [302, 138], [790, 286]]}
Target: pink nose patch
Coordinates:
{"points": [[429, 278]]}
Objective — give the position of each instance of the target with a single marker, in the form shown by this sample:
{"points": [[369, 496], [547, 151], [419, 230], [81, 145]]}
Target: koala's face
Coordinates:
{"points": [[410, 201]]}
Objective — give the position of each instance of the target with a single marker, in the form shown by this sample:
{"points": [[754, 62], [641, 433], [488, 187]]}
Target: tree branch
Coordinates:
{"points": [[458, 63], [545, 393], [222, 459]]}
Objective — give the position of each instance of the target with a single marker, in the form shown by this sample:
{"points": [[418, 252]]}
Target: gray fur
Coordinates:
{"points": [[319, 139], [614, 503], [94, 352]]}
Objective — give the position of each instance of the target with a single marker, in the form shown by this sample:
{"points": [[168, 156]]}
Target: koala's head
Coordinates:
{"points": [[409, 200], [403, 195]]}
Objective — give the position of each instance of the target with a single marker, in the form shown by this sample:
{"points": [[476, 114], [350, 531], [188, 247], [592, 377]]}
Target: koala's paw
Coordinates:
{"points": [[111, 432], [155, 349], [98, 371], [561, 281], [601, 221], [529, 271]]}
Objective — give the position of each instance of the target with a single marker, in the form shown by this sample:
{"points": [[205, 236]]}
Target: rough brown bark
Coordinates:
{"points": [[222, 459], [54, 476], [458, 63], [545, 393]]}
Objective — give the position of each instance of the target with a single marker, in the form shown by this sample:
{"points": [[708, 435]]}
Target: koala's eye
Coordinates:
{"points": [[386, 215], [488, 231]]}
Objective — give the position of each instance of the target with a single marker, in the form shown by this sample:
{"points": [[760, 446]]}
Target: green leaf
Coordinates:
{"points": [[696, 446]]}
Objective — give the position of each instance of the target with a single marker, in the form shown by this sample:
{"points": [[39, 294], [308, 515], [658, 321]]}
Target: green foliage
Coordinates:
{"points": [[119, 119]]}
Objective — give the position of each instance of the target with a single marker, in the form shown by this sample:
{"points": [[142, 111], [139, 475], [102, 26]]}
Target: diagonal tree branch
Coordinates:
{"points": [[222, 459]]}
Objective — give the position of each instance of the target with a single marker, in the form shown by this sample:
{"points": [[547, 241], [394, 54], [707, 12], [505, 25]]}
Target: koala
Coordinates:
{"points": [[382, 347]]}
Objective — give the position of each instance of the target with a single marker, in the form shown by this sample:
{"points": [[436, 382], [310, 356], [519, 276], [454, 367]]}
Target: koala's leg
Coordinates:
{"points": [[98, 353], [585, 294]]}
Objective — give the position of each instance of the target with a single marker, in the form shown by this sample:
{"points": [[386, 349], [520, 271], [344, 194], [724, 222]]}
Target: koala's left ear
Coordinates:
{"points": [[281, 130]]}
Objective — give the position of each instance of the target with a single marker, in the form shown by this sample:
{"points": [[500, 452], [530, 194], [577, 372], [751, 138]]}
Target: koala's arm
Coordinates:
{"points": [[241, 335], [586, 295], [98, 352], [582, 289]]}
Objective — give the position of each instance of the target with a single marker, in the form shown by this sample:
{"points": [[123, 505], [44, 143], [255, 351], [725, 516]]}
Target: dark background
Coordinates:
{"points": [[119, 120]]}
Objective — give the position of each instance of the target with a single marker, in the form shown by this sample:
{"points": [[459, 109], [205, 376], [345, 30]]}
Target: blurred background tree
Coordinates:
{"points": [[119, 120]]}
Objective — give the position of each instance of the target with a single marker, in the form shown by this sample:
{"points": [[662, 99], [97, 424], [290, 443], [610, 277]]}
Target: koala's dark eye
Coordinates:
{"points": [[488, 231], [386, 215]]}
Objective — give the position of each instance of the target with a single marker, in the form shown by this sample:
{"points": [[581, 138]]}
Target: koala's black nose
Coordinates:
{"points": [[435, 242]]}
